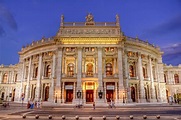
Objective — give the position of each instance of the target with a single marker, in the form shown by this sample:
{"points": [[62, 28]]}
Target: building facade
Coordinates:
{"points": [[89, 62]]}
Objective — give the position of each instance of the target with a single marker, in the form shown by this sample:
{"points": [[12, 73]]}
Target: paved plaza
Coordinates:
{"points": [[166, 111]]}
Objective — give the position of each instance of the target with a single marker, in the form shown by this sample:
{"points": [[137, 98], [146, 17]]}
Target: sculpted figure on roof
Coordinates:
{"points": [[89, 18]]}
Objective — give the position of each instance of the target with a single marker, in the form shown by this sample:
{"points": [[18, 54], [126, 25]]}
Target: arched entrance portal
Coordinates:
{"points": [[46, 93], [133, 96], [89, 96]]}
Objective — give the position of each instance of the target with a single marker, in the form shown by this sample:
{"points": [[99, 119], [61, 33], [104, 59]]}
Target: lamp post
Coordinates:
{"points": [[56, 97], [79, 96], [123, 97], [100, 94]]}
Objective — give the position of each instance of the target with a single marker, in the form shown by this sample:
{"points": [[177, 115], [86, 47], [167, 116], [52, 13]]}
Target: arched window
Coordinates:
{"points": [[131, 71], [165, 78], [108, 69], [89, 71], [48, 71], [70, 69], [176, 77], [144, 72], [5, 78]]}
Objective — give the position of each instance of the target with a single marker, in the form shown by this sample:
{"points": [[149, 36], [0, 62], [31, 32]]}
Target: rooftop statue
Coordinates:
{"points": [[89, 18]]}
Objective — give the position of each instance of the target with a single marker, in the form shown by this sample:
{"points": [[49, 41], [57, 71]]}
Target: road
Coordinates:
{"points": [[167, 112]]}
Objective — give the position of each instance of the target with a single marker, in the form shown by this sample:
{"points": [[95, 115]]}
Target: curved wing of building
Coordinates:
{"points": [[88, 62]]}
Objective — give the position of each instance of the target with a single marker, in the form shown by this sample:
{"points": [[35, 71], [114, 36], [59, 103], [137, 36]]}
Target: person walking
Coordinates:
{"points": [[94, 106]]}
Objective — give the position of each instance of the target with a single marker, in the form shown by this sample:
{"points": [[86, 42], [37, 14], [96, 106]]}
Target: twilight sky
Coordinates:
{"points": [[22, 21]]}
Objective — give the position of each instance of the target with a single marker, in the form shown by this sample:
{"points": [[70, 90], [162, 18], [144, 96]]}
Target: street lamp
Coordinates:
{"points": [[56, 97], [123, 98], [100, 94], [79, 96]]}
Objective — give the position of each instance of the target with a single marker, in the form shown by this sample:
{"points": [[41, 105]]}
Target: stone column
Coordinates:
{"points": [[74, 91], [114, 69], [51, 98], [63, 91], [75, 66], [100, 69], [22, 79], [59, 74], [38, 84], [100, 81], [116, 91], [27, 95], [141, 85], [79, 70], [105, 91], [121, 88], [79, 76], [153, 98], [128, 92]]}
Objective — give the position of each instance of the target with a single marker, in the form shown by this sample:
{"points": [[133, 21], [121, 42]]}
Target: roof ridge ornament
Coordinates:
{"points": [[89, 19], [117, 19]]}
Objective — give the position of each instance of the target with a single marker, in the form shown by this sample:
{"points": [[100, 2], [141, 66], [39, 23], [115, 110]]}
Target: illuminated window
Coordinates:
{"points": [[89, 71], [92, 49], [176, 77], [70, 69], [108, 69], [131, 71], [5, 78]]}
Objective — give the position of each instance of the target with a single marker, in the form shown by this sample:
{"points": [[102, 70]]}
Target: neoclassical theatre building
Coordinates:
{"points": [[90, 62]]}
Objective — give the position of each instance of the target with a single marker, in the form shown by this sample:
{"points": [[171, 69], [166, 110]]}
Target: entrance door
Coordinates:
{"points": [[133, 94], [89, 96], [69, 95], [109, 95]]}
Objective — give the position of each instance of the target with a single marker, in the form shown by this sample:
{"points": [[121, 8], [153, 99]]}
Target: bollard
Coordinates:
{"points": [[117, 117], [144, 117], [90, 117], [63, 117], [24, 116], [36, 116], [158, 116], [131, 116], [77, 117], [50, 117], [104, 117]]}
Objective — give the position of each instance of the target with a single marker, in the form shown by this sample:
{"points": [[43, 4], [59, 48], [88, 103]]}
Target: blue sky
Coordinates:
{"points": [[22, 21]]}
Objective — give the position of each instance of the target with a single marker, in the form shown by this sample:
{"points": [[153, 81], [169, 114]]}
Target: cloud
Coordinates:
{"points": [[169, 27], [6, 17], [172, 54]]}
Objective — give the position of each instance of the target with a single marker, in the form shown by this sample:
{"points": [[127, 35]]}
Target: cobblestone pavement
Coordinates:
{"points": [[167, 112]]}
